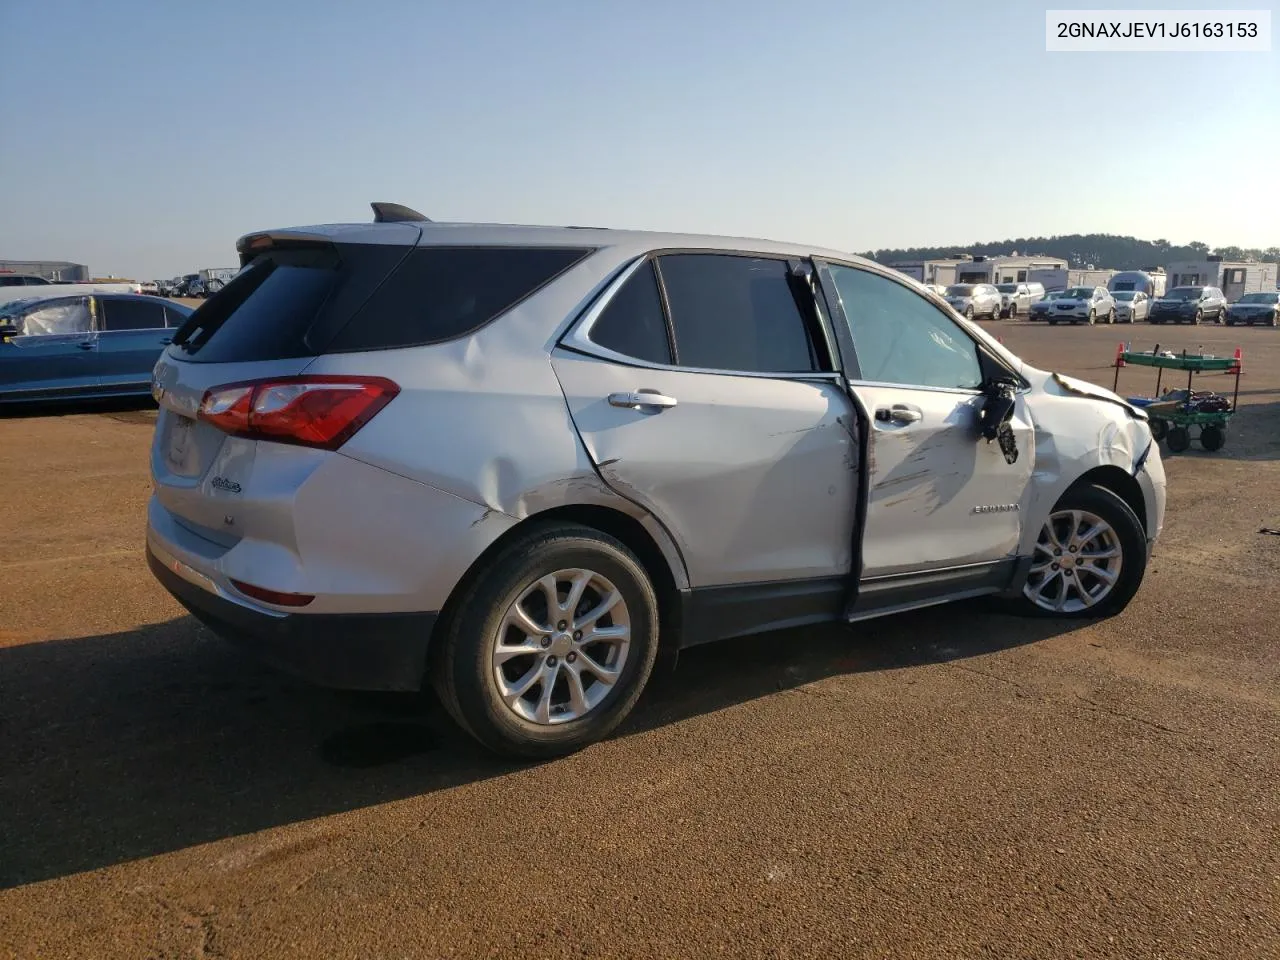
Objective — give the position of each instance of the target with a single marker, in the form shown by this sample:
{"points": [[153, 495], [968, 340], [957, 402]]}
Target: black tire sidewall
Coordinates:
{"points": [[1183, 441], [463, 677], [1133, 545]]}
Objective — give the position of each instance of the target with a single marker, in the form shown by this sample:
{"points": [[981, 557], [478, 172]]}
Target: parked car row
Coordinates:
{"points": [[1193, 304]]}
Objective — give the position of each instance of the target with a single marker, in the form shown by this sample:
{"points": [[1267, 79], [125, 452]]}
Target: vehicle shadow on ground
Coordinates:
{"points": [[126, 409], [133, 744]]}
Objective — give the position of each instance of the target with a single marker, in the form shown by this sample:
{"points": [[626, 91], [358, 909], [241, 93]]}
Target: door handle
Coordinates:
{"points": [[898, 413], [167, 340], [86, 345], [642, 398]]}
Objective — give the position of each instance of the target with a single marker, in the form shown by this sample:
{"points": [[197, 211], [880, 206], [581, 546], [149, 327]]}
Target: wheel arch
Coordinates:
{"points": [[630, 531], [1119, 482]]}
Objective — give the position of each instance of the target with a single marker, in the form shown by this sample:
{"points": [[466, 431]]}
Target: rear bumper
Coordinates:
{"points": [[365, 651]]}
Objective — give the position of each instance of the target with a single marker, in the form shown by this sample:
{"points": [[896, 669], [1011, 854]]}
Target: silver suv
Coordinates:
{"points": [[975, 300], [521, 463]]}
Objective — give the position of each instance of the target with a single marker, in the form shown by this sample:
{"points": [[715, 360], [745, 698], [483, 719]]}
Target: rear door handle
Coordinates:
{"points": [[167, 340], [898, 413], [86, 345], [641, 399]]}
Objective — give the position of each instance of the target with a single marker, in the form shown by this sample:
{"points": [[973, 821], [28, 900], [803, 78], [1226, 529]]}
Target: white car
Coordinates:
{"points": [[972, 300], [1131, 306], [1083, 305], [1018, 298]]}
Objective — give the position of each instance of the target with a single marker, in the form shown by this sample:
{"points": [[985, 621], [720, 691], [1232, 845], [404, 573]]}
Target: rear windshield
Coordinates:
{"points": [[960, 290], [348, 297], [1260, 298]]}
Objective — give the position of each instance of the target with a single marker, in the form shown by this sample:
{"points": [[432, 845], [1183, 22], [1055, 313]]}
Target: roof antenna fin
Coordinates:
{"points": [[396, 213]]}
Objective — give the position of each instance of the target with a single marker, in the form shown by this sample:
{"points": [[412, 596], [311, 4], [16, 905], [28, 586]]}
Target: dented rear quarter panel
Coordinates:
{"points": [[484, 418]]}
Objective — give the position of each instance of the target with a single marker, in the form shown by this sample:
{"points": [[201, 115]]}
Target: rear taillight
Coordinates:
{"points": [[311, 411]]}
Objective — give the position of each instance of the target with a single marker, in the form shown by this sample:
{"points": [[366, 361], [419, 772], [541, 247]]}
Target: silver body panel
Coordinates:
{"points": [[745, 479]]}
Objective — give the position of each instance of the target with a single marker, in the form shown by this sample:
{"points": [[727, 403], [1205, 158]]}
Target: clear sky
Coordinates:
{"points": [[143, 138]]}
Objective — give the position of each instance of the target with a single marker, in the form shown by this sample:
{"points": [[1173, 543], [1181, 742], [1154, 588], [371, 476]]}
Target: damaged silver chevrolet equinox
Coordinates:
{"points": [[520, 463]]}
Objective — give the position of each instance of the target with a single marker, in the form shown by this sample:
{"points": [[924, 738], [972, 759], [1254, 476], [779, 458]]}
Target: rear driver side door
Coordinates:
{"points": [[943, 508], [131, 337], [704, 395]]}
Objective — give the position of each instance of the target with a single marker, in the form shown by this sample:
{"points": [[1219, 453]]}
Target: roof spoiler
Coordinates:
{"points": [[396, 213]]}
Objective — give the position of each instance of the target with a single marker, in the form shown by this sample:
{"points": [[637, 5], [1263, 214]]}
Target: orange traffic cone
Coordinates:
{"points": [[1119, 354], [1237, 363]]}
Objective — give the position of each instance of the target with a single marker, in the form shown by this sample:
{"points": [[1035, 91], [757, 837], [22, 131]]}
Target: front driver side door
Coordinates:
{"points": [[943, 506], [54, 355]]}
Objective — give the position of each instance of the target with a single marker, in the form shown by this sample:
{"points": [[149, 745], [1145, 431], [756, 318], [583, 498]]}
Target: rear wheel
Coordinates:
{"points": [[1013, 311], [1178, 439], [1159, 429], [1111, 318], [1089, 559], [1213, 437], [548, 650]]}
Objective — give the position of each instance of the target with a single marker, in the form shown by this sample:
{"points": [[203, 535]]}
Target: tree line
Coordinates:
{"points": [[1100, 250]]}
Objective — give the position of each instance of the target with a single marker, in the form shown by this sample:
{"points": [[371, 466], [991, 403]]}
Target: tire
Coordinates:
{"points": [[1159, 429], [465, 668], [1111, 318], [1093, 317], [1013, 311], [1053, 323], [1119, 549], [1199, 316], [1232, 323], [1178, 439], [1212, 437], [968, 312]]}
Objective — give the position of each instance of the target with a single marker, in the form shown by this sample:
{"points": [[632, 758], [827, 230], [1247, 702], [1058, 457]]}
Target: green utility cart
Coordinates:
{"points": [[1173, 414]]}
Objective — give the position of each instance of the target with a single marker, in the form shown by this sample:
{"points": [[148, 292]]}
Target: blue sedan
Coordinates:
{"points": [[77, 347]]}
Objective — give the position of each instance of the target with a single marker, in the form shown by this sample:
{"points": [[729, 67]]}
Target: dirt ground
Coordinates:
{"points": [[952, 783]]}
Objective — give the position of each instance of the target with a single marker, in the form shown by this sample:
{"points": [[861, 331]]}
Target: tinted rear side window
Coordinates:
{"points": [[131, 314], [735, 313], [439, 293], [633, 323]]}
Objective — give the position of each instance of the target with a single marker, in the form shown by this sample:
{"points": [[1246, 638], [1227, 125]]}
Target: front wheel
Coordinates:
{"points": [[1089, 559], [1178, 439], [1212, 437], [1198, 317], [1093, 317], [968, 312], [1111, 318], [549, 648], [1013, 311]]}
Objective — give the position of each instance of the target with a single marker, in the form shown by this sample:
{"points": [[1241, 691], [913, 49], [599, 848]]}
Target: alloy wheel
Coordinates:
{"points": [[1076, 563], [561, 646]]}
